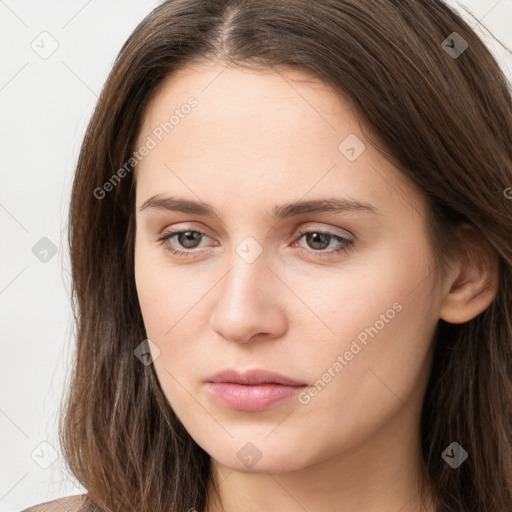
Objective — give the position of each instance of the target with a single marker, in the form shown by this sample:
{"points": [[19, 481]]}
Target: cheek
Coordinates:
{"points": [[173, 311], [367, 300], [377, 361], [381, 322], [163, 293], [154, 299]]}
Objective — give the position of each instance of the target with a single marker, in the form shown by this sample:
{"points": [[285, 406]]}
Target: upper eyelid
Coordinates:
{"points": [[331, 231]]}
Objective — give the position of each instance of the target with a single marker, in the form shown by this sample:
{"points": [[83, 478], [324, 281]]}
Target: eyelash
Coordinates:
{"points": [[345, 245]]}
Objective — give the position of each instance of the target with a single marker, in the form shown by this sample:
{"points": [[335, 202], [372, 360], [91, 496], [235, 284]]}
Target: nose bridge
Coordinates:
{"points": [[244, 306], [248, 274]]}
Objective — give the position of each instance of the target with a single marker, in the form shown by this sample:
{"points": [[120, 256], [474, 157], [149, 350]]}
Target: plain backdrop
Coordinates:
{"points": [[55, 57]]}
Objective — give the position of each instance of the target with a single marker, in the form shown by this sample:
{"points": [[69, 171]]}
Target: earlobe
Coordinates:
{"points": [[475, 285]]}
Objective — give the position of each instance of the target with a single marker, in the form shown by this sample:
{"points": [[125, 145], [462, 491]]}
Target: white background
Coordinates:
{"points": [[45, 105]]}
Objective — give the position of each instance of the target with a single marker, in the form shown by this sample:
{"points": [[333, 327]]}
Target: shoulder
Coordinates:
{"points": [[66, 504]]}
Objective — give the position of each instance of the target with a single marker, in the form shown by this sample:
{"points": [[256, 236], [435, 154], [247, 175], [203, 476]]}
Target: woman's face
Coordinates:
{"points": [[349, 314]]}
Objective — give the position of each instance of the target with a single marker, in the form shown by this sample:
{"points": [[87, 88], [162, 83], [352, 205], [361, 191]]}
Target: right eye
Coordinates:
{"points": [[186, 239]]}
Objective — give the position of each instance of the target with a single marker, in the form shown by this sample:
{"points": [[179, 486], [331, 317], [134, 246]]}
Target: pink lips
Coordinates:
{"points": [[253, 390]]}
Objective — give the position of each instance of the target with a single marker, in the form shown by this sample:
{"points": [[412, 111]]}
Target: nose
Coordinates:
{"points": [[249, 302]]}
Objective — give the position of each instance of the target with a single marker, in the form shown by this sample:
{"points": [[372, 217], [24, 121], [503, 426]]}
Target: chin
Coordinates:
{"points": [[260, 455]]}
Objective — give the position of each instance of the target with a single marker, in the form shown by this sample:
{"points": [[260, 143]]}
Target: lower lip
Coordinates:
{"points": [[252, 398]]}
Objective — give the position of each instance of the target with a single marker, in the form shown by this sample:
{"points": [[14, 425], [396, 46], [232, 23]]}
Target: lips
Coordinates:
{"points": [[253, 390], [253, 377]]}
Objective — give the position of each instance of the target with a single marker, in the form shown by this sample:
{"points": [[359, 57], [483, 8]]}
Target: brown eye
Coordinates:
{"points": [[317, 241], [189, 239]]}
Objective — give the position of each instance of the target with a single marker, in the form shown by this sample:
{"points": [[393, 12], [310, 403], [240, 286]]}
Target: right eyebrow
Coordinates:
{"points": [[179, 205]]}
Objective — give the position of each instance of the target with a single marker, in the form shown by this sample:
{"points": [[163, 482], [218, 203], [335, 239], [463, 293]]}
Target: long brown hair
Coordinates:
{"points": [[443, 119]]}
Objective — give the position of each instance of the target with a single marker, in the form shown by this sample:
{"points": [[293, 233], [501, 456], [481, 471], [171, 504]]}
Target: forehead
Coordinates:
{"points": [[246, 109], [276, 134], [253, 90]]}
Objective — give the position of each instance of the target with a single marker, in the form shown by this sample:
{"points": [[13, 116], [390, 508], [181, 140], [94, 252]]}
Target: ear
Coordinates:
{"points": [[474, 278]]}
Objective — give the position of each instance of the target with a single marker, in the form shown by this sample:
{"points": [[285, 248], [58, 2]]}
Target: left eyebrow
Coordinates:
{"points": [[331, 204]]}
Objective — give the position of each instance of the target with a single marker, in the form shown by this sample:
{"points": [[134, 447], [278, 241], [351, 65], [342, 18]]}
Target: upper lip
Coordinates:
{"points": [[253, 377]]}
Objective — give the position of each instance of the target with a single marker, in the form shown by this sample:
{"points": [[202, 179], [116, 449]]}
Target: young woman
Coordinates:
{"points": [[290, 235]]}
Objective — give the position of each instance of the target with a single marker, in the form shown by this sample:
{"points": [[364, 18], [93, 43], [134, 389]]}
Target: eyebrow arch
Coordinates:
{"points": [[331, 204]]}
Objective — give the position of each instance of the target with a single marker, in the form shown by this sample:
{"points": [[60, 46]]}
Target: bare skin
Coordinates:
{"points": [[254, 141]]}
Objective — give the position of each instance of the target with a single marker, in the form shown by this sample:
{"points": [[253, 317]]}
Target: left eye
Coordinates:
{"points": [[189, 240]]}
